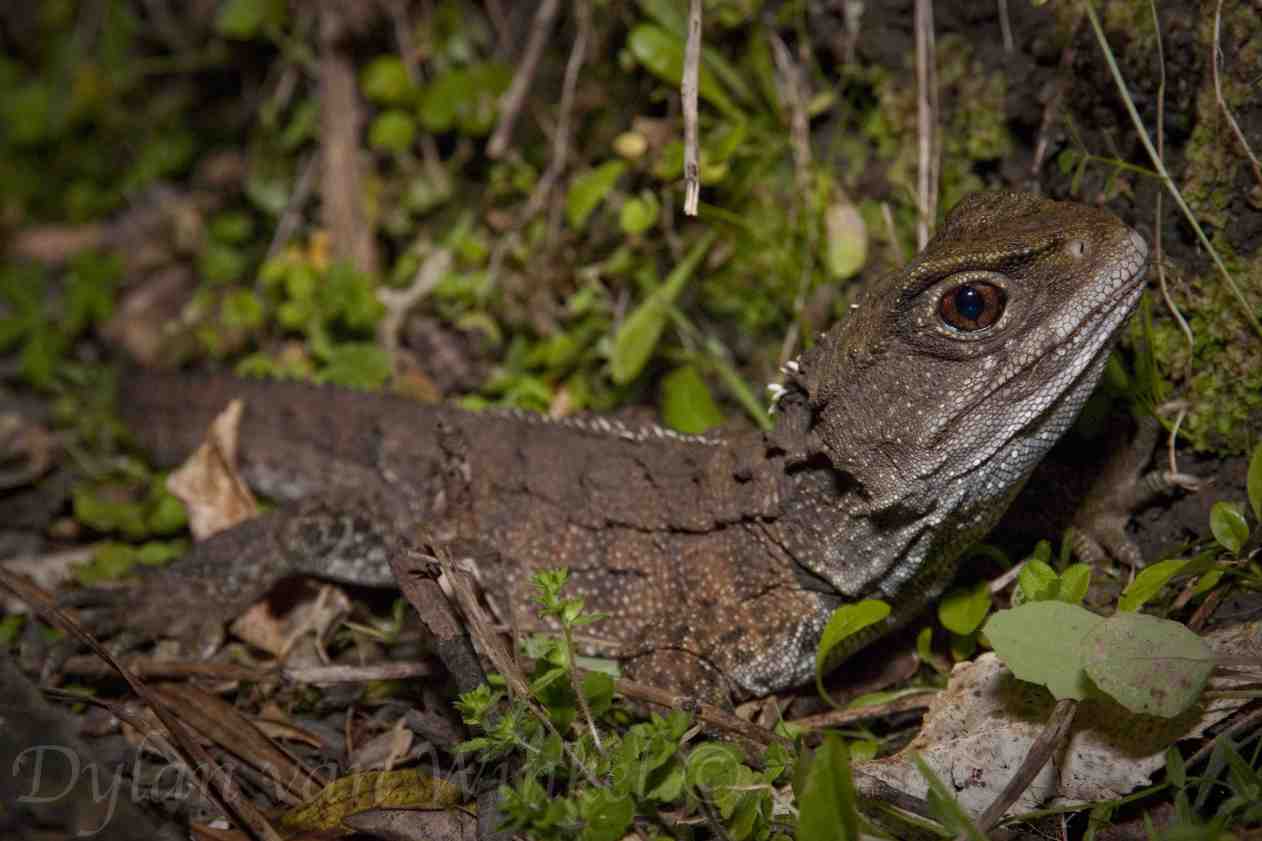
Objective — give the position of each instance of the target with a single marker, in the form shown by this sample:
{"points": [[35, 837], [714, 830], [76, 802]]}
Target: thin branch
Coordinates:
{"points": [[796, 95], [560, 141], [1215, 56], [688, 92], [1005, 26], [926, 121], [515, 96], [292, 213], [341, 188], [841, 718]]}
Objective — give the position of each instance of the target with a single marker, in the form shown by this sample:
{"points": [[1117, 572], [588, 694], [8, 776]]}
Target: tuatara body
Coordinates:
{"points": [[901, 436]]}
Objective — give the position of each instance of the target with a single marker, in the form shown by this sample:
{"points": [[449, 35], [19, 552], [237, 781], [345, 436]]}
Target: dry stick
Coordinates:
{"points": [[799, 125], [839, 718], [515, 96], [211, 778], [926, 116], [560, 143], [688, 93], [561, 139], [1040, 752], [708, 713], [340, 187], [293, 208], [148, 667], [1164, 173], [483, 632], [1215, 55], [1253, 718], [887, 216], [1005, 25], [399, 302]]}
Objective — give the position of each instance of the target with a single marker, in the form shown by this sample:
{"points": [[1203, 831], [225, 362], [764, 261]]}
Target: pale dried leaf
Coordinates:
{"points": [[277, 635], [208, 482], [383, 751]]}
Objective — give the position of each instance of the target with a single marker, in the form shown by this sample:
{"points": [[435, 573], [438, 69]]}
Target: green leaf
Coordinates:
{"points": [[1254, 483], [465, 98], [637, 336], [1043, 642], [1074, 583], [846, 240], [244, 19], [663, 55], [158, 552], [1037, 580], [962, 610], [385, 81], [393, 131], [598, 689], [221, 263], [233, 227], [638, 213], [589, 189], [90, 290], [687, 405], [846, 621], [606, 816], [1149, 665], [1229, 526], [110, 562], [1148, 583], [827, 808], [356, 365]]}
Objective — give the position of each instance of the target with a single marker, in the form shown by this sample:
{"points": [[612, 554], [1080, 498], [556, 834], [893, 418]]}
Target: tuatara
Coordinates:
{"points": [[900, 438]]}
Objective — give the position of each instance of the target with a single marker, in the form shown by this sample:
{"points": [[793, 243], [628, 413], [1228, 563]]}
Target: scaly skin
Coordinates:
{"points": [[900, 439]]}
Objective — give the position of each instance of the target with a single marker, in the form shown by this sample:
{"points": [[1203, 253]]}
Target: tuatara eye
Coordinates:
{"points": [[972, 306]]}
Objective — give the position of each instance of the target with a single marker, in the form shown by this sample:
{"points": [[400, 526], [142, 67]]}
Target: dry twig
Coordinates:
{"points": [[340, 188], [515, 96], [688, 93], [926, 121]]}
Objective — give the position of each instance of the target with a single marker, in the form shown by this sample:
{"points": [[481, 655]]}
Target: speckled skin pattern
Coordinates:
{"points": [[899, 440]]}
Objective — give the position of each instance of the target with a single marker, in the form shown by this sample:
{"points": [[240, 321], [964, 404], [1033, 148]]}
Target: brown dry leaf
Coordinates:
{"points": [[208, 483], [979, 729], [384, 750], [275, 723], [277, 635], [224, 725], [350, 795]]}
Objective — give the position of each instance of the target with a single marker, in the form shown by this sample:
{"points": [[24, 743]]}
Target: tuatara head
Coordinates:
{"points": [[956, 374]]}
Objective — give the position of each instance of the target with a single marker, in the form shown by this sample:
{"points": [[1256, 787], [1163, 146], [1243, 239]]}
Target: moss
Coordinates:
{"points": [[1214, 159], [1221, 376]]}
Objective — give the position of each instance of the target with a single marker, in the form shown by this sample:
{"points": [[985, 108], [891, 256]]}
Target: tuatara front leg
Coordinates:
{"points": [[1124, 487], [347, 538]]}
